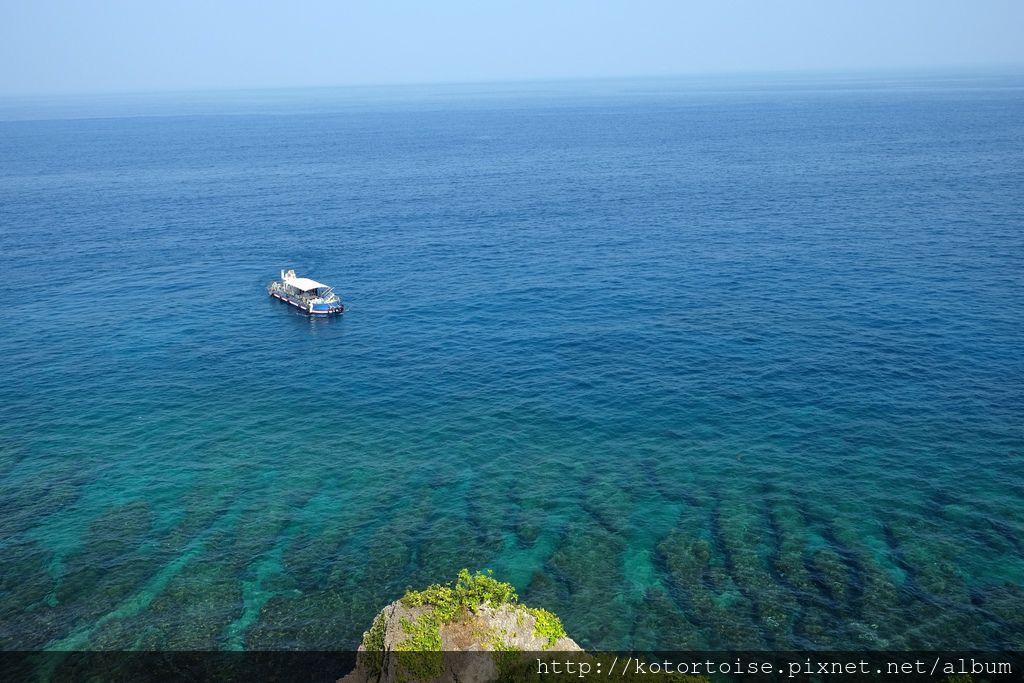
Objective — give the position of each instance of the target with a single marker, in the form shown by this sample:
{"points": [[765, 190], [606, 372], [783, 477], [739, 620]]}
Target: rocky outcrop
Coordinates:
{"points": [[463, 631], [509, 627]]}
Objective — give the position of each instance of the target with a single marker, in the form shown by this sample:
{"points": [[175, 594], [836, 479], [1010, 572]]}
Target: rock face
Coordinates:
{"points": [[503, 628], [463, 631]]}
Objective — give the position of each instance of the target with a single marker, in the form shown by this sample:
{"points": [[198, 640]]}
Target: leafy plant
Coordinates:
{"points": [[546, 625], [420, 654], [373, 644], [424, 635], [469, 591]]}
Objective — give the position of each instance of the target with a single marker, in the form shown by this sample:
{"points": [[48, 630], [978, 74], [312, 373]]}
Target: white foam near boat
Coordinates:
{"points": [[309, 296]]}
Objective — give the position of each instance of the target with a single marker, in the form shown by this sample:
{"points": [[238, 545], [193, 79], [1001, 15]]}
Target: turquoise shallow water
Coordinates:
{"points": [[694, 364]]}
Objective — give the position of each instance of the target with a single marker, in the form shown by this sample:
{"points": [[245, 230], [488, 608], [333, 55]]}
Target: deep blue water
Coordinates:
{"points": [[693, 363]]}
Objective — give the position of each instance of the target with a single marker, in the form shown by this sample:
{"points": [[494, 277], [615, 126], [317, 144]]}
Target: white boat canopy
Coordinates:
{"points": [[304, 284]]}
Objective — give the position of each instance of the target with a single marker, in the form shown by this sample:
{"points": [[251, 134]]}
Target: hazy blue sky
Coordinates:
{"points": [[103, 45]]}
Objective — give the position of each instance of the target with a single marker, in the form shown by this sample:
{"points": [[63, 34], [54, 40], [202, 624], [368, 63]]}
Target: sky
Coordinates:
{"points": [[65, 46]]}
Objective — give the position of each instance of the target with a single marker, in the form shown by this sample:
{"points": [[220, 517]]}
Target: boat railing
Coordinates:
{"points": [[325, 296]]}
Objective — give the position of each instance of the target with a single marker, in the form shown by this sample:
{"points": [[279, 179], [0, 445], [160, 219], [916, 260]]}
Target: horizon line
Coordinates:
{"points": [[933, 69]]}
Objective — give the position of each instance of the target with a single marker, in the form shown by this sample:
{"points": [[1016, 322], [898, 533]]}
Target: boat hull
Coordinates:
{"points": [[318, 310]]}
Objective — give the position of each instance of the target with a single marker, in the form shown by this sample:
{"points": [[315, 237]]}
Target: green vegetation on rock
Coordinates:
{"points": [[419, 650], [420, 654], [424, 634], [546, 625], [498, 642], [373, 643], [469, 591]]}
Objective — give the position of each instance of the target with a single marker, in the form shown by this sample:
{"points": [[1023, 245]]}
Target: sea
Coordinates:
{"points": [[722, 362]]}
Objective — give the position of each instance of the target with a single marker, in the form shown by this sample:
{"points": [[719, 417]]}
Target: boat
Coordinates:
{"points": [[309, 296]]}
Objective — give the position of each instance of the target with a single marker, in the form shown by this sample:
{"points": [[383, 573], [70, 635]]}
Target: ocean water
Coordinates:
{"points": [[705, 363]]}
